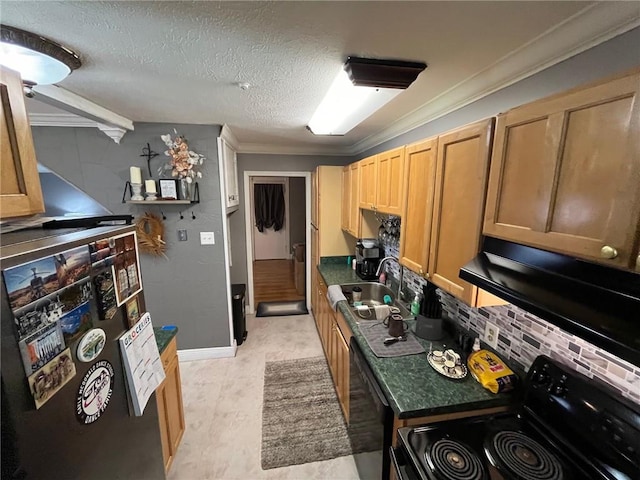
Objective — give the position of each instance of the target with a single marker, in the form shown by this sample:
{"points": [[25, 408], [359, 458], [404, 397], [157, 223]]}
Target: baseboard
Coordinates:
{"points": [[189, 355]]}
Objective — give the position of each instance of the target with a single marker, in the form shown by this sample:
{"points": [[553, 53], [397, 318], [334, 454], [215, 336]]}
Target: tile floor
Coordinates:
{"points": [[223, 407]]}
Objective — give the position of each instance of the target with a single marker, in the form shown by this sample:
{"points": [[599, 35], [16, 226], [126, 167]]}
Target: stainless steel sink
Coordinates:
{"points": [[373, 294]]}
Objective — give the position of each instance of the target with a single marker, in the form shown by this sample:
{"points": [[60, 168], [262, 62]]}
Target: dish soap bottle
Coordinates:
{"points": [[415, 305]]}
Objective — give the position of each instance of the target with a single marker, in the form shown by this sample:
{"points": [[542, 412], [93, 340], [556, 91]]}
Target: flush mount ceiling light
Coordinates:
{"points": [[39, 60], [363, 86]]}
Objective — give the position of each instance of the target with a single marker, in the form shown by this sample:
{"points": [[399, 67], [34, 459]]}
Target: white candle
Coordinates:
{"points": [[136, 175], [150, 186]]}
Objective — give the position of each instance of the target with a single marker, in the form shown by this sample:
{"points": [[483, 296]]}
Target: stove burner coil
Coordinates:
{"points": [[523, 457], [451, 460]]}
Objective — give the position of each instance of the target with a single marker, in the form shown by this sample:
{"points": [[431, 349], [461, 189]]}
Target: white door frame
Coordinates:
{"points": [[249, 230], [285, 184]]}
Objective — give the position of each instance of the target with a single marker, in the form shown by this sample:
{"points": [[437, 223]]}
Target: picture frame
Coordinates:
{"points": [[168, 189], [126, 270], [132, 307]]}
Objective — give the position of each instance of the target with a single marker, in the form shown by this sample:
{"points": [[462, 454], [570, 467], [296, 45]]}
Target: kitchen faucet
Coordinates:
{"points": [[381, 264]]}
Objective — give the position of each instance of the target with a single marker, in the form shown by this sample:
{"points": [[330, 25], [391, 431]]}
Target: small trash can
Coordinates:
{"points": [[238, 311]]}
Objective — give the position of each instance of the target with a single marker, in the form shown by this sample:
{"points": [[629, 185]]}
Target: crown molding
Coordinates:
{"points": [[70, 120], [114, 133], [60, 120], [73, 103], [270, 149], [227, 135], [591, 26]]}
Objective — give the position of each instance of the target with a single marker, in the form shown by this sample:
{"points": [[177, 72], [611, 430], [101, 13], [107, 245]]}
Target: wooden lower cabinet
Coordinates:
{"points": [[170, 409], [335, 336]]}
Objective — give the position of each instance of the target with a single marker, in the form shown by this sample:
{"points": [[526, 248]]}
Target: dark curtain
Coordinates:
{"points": [[268, 199]]}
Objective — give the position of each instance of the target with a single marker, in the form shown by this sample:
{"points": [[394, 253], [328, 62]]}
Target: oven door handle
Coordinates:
{"points": [[396, 466]]}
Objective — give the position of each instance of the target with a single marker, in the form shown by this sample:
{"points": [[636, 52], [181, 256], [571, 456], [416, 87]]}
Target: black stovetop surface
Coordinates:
{"points": [[475, 435], [569, 427]]}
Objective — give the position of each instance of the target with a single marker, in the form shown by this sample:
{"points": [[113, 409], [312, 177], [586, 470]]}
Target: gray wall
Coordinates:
{"points": [[297, 212], [188, 289], [617, 55], [265, 163]]}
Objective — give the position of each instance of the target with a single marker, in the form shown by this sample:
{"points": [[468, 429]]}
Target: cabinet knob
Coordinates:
{"points": [[608, 252]]}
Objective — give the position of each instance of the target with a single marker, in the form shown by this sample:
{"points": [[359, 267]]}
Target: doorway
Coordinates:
{"points": [[277, 270]]}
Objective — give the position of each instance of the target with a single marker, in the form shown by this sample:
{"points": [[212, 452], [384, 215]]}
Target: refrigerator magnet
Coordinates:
{"points": [[106, 295], [46, 382], [31, 281], [91, 345], [126, 269], [41, 347], [72, 265], [76, 322], [94, 392]]}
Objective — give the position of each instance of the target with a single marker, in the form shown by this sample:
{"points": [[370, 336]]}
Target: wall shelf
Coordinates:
{"points": [[195, 197], [163, 202]]}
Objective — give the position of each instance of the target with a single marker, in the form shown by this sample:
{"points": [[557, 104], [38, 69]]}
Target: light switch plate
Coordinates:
{"points": [[182, 235], [491, 332], [207, 238]]}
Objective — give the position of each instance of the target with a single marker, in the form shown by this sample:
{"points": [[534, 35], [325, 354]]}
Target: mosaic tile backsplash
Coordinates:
{"points": [[523, 336]]}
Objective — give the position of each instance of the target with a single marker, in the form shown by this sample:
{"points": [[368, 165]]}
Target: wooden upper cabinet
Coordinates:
{"points": [[565, 173], [354, 208], [20, 191], [462, 166], [346, 199], [314, 200], [419, 181], [367, 182], [389, 195]]}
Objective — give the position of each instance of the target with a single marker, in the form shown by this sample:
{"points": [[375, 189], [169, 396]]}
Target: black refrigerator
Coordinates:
{"points": [[67, 297]]}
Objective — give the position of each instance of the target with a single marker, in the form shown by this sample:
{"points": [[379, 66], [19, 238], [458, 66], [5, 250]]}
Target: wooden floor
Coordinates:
{"points": [[273, 281]]}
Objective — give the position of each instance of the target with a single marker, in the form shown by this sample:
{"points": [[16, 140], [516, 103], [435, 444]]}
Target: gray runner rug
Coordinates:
{"points": [[301, 417]]}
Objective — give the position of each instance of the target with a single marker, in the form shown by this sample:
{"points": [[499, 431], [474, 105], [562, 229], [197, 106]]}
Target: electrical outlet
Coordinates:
{"points": [[491, 332], [207, 238], [182, 235]]}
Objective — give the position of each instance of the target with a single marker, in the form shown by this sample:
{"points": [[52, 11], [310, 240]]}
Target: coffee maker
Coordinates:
{"points": [[368, 255]]}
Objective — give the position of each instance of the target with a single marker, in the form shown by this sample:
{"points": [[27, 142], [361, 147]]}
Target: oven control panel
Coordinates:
{"points": [[606, 427]]}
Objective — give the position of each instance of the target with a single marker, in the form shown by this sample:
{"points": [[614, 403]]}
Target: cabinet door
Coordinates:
{"points": [[342, 351], [390, 183], [368, 181], [346, 199], [419, 182], [170, 407], [161, 400], [314, 198], [231, 176], [565, 173], [175, 412], [20, 189], [354, 204], [461, 175]]}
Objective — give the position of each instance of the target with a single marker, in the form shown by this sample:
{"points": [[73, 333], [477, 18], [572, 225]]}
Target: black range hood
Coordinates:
{"points": [[596, 303]]}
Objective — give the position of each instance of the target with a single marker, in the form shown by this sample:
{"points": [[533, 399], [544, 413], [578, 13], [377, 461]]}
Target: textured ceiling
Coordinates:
{"points": [[181, 61]]}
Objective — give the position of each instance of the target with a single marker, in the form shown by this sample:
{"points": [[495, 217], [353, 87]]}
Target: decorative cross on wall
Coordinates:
{"points": [[147, 152]]}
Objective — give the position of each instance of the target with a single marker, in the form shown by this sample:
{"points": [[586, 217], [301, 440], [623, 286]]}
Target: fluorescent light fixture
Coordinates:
{"points": [[345, 106], [362, 87], [39, 60]]}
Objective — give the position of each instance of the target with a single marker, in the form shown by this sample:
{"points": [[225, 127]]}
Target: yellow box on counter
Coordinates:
{"points": [[491, 372]]}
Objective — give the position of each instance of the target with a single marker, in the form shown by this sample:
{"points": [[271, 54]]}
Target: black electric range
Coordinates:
{"points": [[569, 427]]}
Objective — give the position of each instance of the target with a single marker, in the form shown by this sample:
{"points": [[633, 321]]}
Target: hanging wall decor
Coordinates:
{"points": [[150, 230]]}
